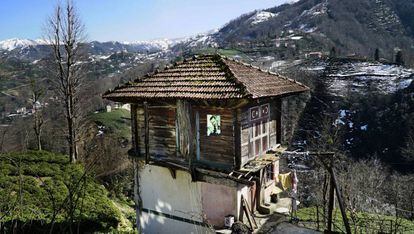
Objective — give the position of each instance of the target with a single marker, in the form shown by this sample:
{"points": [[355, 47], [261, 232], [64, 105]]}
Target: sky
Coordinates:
{"points": [[128, 20]]}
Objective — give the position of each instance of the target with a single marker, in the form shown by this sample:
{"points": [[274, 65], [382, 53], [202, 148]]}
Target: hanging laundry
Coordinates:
{"points": [[285, 180]]}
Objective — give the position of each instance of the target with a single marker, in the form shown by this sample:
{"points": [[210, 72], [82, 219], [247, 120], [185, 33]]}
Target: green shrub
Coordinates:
{"points": [[35, 189]]}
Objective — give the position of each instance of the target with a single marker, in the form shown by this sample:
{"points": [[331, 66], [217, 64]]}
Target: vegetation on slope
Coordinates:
{"points": [[117, 121], [42, 190], [361, 222]]}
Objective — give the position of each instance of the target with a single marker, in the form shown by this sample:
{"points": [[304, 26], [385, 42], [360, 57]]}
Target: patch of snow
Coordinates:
{"points": [[405, 83], [342, 113], [373, 69], [316, 68], [364, 127], [296, 37], [261, 16], [203, 39], [102, 57], [361, 76], [305, 28], [277, 64], [317, 10], [267, 58], [339, 121]]}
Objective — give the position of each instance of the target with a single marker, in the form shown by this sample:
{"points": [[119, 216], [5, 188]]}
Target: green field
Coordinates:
{"points": [[360, 223], [117, 122]]}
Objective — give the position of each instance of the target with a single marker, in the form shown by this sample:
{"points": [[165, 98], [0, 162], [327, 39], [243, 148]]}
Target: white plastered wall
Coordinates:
{"points": [[179, 197]]}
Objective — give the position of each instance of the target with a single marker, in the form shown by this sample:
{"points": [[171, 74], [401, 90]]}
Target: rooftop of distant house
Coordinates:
{"points": [[207, 77]]}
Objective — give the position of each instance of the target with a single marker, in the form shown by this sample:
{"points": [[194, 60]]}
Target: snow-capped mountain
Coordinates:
{"points": [[32, 50], [161, 44], [15, 43]]}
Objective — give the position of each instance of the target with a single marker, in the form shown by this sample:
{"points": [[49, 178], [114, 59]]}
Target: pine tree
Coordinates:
{"points": [[332, 54], [399, 60], [376, 55]]}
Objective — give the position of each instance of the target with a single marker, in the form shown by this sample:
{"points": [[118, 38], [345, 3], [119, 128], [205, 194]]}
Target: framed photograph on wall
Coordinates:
{"points": [[213, 125]]}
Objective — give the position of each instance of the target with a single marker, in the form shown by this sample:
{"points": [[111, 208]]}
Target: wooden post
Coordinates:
{"points": [[332, 188], [237, 141], [197, 135], [279, 121], [146, 126], [340, 201], [137, 195], [249, 214], [136, 165], [134, 130], [330, 204], [317, 217]]}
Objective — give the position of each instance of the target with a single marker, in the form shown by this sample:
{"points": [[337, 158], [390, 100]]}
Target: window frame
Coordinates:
{"points": [[263, 121]]}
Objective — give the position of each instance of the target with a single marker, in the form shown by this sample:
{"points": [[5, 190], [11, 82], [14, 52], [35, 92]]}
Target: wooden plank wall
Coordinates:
{"points": [[217, 149], [163, 139], [186, 128], [162, 135]]}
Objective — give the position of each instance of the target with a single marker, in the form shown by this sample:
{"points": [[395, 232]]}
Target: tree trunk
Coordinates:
{"points": [[39, 143]]}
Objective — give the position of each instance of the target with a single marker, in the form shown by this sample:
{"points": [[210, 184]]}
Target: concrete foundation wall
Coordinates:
{"points": [[178, 197], [167, 201], [160, 225]]}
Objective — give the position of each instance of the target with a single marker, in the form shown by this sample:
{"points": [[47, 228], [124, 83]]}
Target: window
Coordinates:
{"points": [[213, 125], [270, 172], [259, 130]]}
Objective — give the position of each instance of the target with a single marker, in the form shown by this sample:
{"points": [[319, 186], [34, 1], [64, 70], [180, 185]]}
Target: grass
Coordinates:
{"points": [[117, 122], [362, 222], [35, 188]]}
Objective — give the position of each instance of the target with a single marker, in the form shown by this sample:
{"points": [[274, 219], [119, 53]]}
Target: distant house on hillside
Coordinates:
{"points": [[205, 128], [314, 54]]}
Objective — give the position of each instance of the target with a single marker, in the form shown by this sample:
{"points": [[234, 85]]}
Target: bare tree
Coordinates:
{"points": [[37, 94], [65, 33], [408, 150]]}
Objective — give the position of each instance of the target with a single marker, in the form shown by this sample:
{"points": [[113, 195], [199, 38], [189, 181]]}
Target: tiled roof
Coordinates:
{"points": [[207, 77]]}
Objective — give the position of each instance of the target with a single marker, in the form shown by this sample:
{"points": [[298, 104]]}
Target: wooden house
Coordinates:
{"points": [[205, 128]]}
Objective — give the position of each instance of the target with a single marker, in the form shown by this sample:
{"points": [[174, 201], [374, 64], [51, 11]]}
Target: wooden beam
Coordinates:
{"points": [[250, 218], [330, 204], [237, 140], [197, 122], [332, 188], [173, 172], [278, 110], [340, 201], [146, 137], [134, 131]]}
